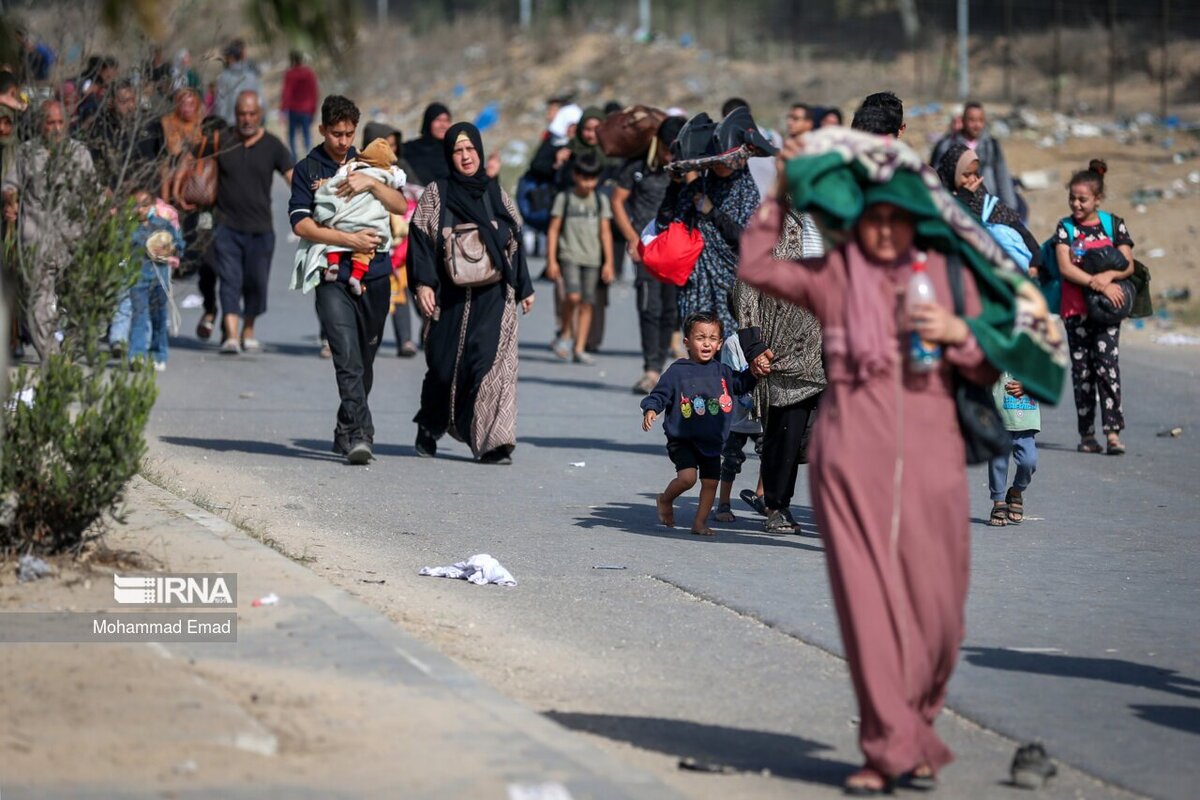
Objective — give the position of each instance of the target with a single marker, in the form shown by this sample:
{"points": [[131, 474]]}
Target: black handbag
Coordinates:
{"points": [[983, 432]]}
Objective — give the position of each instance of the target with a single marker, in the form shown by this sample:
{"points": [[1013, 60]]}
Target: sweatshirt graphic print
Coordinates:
{"points": [[696, 402]]}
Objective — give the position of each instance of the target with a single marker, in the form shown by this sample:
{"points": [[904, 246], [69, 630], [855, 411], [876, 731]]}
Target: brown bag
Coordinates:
{"points": [[196, 181], [628, 133], [468, 262]]}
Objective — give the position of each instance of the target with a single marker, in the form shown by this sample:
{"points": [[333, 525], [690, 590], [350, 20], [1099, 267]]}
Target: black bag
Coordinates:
{"points": [[983, 432], [1101, 310]]}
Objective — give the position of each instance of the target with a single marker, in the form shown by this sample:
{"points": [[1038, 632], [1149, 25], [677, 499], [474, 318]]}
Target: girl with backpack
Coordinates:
{"points": [[1094, 344]]}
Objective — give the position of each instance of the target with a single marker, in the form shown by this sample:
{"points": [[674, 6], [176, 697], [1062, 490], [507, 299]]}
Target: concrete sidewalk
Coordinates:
{"points": [[320, 697]]}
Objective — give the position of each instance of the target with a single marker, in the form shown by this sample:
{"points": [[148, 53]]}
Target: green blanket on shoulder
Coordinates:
{"points": [[842, 171]]}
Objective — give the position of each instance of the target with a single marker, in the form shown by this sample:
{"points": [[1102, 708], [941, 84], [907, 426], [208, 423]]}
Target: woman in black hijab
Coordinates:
{"points": [[959, 173], [425, 154], [470, 388]]}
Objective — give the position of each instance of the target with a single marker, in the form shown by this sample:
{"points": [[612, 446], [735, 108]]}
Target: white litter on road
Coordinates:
{"points": [[193, 300], [538, 791], [1176, 340], [1047, 650], [478, 569], [578, 463]]}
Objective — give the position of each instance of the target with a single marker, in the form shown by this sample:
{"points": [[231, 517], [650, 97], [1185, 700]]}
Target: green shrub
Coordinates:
{"points": [[69, 451]]}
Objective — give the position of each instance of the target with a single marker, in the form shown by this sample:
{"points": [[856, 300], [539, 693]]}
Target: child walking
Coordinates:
{"points": [[1095, 345], [158, 243], [696, 394], [579, 256], [1023, 419]]}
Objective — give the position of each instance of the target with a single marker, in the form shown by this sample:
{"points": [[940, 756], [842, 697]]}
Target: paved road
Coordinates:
{"points": [[1081, 626]]}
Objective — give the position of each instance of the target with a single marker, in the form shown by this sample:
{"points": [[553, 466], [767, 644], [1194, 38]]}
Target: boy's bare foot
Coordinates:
{"points": [[705, 531], [666, 511]]}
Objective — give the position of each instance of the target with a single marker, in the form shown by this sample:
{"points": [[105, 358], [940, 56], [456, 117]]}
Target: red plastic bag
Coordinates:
{"points": [[671, 255]]}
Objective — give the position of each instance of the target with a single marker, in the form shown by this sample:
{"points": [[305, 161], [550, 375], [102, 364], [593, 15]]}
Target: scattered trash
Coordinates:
{"points": [[1177, 340], [192, 301], [608, 566], [1157, 252], [1179, 294], [1038, 650], [694, 765], [1031, 767], [1038, 179], [1170, 433], [30, 568], [1145, 196], [478, 569], [246, 396], [538, 791], [188, 767], [579, 464], [24, 396], [269, 600], [369, 580]]}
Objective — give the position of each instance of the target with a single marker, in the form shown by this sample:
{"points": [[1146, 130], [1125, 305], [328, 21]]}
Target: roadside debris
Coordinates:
{"points": [[191, 301], [579, 464], [1031, 767], [608, 566], [693, 765], [1177, 340], [30, 568], [478, 569], [1171, 433], [271, 599], [369, 580]]}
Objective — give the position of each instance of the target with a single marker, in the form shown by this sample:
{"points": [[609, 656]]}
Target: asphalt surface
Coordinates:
{"points": [[1081, 625]]}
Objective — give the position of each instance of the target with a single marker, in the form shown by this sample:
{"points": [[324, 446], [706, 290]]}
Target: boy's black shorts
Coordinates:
{"points": [[685, 455]]}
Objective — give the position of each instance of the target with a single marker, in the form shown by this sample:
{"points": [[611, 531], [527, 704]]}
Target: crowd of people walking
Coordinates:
{"points": [[825, 295]]}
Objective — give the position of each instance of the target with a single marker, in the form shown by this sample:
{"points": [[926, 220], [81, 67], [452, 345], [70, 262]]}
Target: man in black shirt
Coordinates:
{"points": [[352, 324], [244, 239]]}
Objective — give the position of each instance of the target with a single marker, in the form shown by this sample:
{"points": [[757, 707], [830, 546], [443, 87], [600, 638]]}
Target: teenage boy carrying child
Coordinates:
{"points": [[697, 396], [579, 255]]}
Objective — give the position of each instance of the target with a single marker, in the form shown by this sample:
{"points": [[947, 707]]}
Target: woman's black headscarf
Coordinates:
{"points": [[425, 153], [464, 197], [947, 170], [432, 112]]}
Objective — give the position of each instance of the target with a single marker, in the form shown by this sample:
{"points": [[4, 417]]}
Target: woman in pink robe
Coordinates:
{"points": [[887, 475]]}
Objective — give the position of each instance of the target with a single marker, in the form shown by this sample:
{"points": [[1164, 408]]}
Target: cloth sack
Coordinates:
{"points": [[629, 133], [670, 256]]}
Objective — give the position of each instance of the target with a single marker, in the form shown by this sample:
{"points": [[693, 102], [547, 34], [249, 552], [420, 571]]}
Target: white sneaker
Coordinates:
{"points": [[160, 366]]}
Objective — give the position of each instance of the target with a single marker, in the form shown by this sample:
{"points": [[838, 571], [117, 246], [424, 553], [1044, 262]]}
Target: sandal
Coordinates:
{"points": [[1089, 446], [751, 498], [1115, 448], [868, 782], [778, 522], [1031, 767], [922, 779], [1016, 506], [724, 513], [999, 515], [204, 328]]}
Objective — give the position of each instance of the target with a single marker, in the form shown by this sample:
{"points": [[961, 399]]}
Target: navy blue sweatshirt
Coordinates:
{"points": [[698, 401]]}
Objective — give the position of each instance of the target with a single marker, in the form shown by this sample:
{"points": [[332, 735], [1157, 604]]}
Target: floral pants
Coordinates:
{"points": [[1094, 369]]}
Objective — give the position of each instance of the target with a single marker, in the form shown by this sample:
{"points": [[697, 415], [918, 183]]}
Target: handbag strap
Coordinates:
{"points": [[955, 279], [989, 205]]}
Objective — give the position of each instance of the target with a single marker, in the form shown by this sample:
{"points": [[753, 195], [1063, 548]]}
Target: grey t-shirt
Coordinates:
{"points": [[579, 239], [646, 192]]}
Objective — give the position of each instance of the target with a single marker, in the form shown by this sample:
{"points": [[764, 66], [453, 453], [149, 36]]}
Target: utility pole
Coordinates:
{"points": [[1056, 84], [964, 26], [526, 13], [1166, 59], [381, 11], [1008, 59], [1111, 22], [644, 23]]}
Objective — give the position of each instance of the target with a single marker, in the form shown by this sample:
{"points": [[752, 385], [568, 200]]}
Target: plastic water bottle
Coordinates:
{"points": [[1078, 250], [923, 356]]}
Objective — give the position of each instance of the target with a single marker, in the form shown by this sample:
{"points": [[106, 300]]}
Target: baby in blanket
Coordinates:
{"points": [[378, 156]]}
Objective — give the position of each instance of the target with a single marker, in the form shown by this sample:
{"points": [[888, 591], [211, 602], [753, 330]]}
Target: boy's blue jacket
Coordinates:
{"points": [[698, 400]]}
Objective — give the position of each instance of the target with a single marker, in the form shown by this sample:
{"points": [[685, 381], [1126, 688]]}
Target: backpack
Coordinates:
{"points": [[1012, 242], [1051, 283], [535, 198]]}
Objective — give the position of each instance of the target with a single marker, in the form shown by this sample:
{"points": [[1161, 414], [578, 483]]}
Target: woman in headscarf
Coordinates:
{"points": [[425, 154], [959, 173], [720, 203], [470, 388], [888, 476]]}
